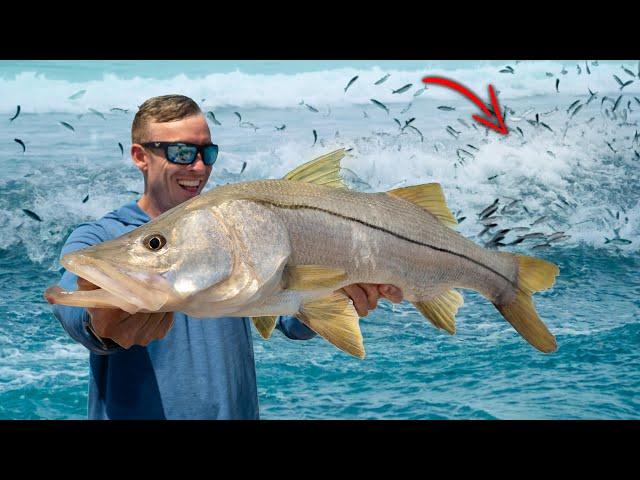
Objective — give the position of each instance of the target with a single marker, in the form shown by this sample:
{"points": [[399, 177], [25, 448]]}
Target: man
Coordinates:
{"points": [[168, 365]]}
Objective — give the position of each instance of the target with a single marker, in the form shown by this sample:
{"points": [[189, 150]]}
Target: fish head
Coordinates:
{"points": [[159, 265]]}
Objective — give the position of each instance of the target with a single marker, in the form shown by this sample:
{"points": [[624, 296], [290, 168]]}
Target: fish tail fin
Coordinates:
{"points": [[534, 275]]}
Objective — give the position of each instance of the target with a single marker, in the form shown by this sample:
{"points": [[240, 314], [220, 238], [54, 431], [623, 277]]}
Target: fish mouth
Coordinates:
{"points": [[132, 291]]}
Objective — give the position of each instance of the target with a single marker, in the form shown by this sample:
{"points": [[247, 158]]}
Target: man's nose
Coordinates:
{"points": [[198, 164]]}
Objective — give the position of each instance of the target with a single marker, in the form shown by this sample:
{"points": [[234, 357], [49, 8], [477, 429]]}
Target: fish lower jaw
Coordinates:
{"points": [[125, 293]]}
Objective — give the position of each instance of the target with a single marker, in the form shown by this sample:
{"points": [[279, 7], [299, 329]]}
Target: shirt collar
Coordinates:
{"points": [[133, 214]]}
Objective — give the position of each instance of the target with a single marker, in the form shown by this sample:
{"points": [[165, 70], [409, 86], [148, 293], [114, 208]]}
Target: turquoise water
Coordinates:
{"points": [[572, 176], [78, 70], [85, 70]]}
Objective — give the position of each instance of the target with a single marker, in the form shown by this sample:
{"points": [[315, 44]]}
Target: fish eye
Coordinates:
{"points": [[154, 242]]}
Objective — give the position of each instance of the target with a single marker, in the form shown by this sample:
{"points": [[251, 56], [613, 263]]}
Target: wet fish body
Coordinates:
{"points": [[77, 95], [213, 118], [68, 126], [96, 112], [380, 105], [16, 114], [403, 88], [21, 143], [350, 83], [383, 79], [31, 214], [284, 247]]}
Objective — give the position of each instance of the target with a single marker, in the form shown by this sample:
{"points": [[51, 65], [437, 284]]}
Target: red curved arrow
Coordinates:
{"points": [[500, 127]]}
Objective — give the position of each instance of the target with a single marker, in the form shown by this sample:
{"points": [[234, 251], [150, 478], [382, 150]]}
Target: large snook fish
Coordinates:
{"points": [[284, 247]]}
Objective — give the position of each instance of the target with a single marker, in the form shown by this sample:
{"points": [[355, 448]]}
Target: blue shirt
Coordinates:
{"points": [[202, 368]]}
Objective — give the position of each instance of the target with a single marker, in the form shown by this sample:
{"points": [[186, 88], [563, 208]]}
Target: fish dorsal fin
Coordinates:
{"points": [[324, 170], [441, 311], [310, 277], [335, 319], [265, 325], [430, 197]]}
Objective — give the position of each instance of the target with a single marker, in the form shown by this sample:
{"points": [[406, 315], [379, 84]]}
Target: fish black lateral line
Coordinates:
{"points": [[286, 247]]}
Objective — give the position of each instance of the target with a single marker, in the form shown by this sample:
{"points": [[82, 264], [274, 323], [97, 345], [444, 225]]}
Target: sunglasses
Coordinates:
{"points": [[185, 153]]}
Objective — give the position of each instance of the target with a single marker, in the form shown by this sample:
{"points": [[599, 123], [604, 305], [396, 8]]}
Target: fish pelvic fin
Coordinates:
{"points": [[335, 319], [534, 275], [441, 311], [265, 325], [324, 170], [430, 197], [310, 277]]}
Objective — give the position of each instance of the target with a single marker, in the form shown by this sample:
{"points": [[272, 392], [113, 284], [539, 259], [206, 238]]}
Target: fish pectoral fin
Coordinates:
{"points": [[311, 277], [430, 197], [324, 170], [441, 311], [335, 319], [265, 325]]}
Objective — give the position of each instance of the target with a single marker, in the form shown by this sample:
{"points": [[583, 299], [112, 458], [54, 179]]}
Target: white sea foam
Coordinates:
{"points": [[574, 163], [39, 93]]}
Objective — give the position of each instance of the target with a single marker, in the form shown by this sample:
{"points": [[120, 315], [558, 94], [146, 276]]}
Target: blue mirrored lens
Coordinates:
{"points": [[210, 154], [183, 154]]}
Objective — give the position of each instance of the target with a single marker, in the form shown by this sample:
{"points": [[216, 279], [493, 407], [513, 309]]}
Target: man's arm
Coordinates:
{"points": [[75, 320], [364, 296]]}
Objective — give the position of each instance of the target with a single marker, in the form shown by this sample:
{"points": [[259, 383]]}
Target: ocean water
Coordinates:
{"points": [[571, 171]]}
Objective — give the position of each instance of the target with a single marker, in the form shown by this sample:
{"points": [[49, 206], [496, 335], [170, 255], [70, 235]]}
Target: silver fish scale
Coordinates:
{"points": [[381, 239]]}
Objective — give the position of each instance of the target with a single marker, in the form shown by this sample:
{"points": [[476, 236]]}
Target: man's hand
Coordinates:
{"points": [[126, 329], [365, 296]]}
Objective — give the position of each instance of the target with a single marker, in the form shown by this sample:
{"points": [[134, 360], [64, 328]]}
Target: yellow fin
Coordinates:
{"points": [[265, 325], [534, 275], [430, 197], [335, 319], [441, 311], [324, 170], [310, 277]]}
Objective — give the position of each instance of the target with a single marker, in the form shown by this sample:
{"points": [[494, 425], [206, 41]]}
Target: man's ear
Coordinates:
{"points": [[140, 157]]}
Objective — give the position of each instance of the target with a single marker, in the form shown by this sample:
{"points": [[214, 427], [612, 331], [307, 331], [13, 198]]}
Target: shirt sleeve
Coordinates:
{"points": [[294, 328], [75, 319]]}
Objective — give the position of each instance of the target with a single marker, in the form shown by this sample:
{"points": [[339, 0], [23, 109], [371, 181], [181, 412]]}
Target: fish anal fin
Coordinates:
{"points": [[430, 197], [335, 319], [324, 170], [265, 325], [441, 310], [310, 277]]}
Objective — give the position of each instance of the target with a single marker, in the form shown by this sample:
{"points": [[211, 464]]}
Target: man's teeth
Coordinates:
{"points": [[189, 183]]}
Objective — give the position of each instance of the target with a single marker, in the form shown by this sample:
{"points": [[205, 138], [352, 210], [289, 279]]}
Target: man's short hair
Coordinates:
{"points": [[165, 108]]}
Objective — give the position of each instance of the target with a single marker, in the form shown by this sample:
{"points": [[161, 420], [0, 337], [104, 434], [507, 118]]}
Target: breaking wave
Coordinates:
{"points": [[38, 91]]}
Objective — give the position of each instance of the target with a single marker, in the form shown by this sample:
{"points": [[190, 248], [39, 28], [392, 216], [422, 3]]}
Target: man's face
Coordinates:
{"points": [[166, 180]]}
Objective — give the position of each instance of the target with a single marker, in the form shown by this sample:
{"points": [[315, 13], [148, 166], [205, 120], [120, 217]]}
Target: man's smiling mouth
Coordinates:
{"points": [[190, 185]]}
